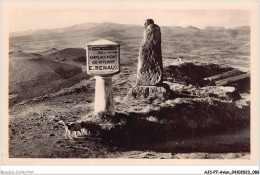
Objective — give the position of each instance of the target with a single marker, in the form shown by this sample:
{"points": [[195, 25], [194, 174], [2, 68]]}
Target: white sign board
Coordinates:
{"points": [[103, 58]]}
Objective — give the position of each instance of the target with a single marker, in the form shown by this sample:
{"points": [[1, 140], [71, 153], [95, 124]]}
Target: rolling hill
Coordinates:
{"points": [[32, 75], [48, 51], [212, 44], [72, 54]]}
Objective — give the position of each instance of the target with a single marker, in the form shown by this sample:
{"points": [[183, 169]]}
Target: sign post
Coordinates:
{"points": [[103, 61]]}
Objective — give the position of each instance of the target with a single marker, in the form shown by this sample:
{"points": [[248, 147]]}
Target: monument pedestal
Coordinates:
{"points": [[104, 96], [149, 92]]}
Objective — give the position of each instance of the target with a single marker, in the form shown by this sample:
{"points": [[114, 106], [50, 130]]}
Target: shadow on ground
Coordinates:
{"points": [[193, 74], [184, 128]]}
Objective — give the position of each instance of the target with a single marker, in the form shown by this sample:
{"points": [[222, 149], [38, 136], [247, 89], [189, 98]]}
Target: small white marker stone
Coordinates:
{"points": [[103, 61]]}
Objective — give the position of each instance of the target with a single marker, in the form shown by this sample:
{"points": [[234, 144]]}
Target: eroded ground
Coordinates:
{"points": [[184, 126]]}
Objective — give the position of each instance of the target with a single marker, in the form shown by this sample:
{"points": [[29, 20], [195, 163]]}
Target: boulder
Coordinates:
{"points": [[148, 93]]}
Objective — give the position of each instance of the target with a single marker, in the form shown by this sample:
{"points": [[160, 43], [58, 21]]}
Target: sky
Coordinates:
{"points": [[37, 18]]}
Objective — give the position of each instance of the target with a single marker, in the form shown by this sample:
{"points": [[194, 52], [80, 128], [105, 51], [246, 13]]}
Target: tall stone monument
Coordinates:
{"points": [[150, 68], [149, 83]]}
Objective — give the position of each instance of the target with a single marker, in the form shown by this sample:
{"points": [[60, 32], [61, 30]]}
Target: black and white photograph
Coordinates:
{"points": [[119, 81]]}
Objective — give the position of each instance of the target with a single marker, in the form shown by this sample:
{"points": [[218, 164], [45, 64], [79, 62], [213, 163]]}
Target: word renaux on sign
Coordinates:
{"points": [[103, 60]]}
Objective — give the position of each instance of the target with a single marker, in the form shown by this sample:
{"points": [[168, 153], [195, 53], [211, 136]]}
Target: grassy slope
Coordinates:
{"points": [[31, 75]]}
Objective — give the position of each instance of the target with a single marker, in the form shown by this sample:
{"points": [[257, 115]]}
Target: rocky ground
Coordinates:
{"points": [[194, 121]]}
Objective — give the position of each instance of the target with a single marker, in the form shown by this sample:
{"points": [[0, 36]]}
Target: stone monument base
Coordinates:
{"points": [[149, 92]]}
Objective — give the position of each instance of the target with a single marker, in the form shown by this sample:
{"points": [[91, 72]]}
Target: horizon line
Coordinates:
{"points": [[123, 24]]}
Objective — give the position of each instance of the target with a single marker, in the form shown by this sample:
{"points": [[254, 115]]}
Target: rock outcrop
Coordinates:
{"points": [[149, 93]]}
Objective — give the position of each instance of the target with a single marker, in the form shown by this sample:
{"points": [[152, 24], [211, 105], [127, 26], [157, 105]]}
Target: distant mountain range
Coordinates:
{"points": [[106, 27], [68, 44]]}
